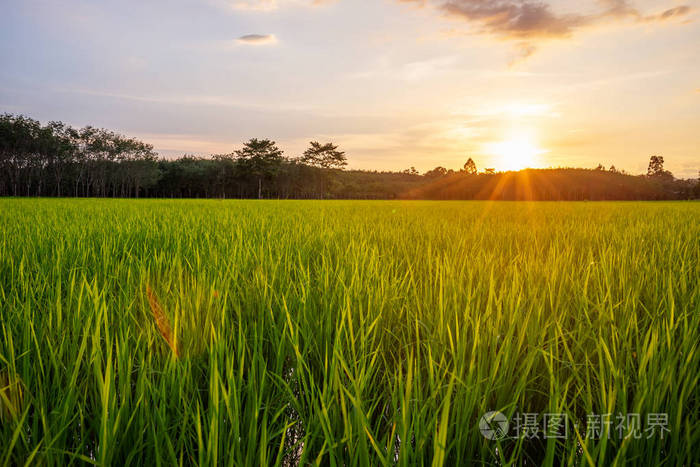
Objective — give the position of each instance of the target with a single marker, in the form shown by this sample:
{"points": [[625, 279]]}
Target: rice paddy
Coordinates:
{"points": [[347, 333]]}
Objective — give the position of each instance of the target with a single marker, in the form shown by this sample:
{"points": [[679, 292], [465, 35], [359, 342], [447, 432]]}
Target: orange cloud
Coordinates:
{"points": [[528, 21]]}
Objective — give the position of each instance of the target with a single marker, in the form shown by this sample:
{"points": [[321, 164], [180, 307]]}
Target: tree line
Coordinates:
{"points": [[56, 159]]}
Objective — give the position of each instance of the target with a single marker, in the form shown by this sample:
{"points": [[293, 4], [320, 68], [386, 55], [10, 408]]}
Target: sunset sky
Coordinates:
{"points": [[396, 83]]}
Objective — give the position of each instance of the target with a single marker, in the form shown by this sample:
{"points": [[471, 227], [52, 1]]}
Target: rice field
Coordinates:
{"points": [[176, 332]]}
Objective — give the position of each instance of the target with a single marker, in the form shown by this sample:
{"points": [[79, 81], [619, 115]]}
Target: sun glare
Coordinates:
{"points": [[516, 153]]}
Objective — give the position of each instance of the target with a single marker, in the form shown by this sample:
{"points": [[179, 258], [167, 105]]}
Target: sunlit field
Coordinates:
{"points": [[348, 333]]}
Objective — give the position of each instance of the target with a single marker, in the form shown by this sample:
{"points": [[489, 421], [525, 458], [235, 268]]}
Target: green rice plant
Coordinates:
{"points": [[174, 332]]}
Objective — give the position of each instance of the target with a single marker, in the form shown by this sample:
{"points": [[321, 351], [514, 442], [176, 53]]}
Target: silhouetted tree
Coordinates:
{"points": [[436, 172], [656, 166], [61, 146], [325, 156], [470, 167], [261, 158]]}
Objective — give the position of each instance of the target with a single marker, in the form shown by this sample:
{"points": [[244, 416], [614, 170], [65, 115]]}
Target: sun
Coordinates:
{"points": [[517, 152]]}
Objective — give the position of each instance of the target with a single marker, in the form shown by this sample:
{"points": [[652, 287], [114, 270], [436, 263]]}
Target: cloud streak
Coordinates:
{"points": [[272, 5], [257, 39], [530, 21]]}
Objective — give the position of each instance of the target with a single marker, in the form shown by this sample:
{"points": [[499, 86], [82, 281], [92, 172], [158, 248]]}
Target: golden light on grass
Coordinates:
{"points": [[11, 396], [162, 321]]}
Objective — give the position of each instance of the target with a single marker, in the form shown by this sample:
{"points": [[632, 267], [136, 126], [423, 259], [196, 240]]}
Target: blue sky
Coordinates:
{"points": [[396, 83]]}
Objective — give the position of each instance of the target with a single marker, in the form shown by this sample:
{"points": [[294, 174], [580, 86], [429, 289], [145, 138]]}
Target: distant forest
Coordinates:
{"points": [[58, 160]]}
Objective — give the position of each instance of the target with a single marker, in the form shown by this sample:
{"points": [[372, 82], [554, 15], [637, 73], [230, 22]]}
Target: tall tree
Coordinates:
{"points": [[438, 171], [261, 158], [60, 149], [656, 166], [325, 156], [470, 167]]}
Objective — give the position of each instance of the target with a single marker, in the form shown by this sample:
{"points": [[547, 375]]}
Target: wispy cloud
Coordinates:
{"points": [[531, 21], [412, 71], [669, 14], [257, 39], [272, 5], [202, 100], [255, 5]]}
